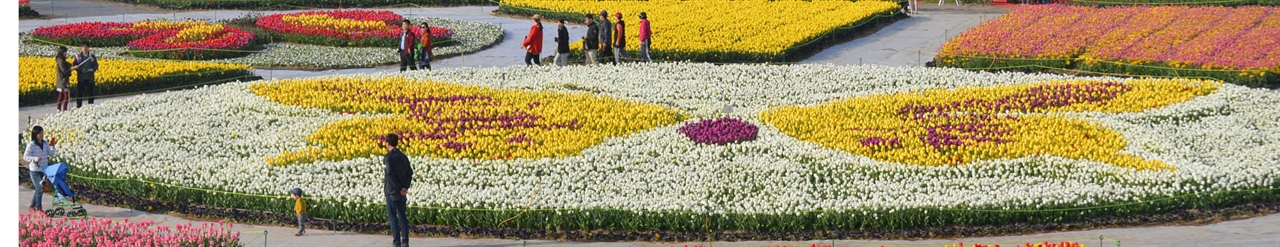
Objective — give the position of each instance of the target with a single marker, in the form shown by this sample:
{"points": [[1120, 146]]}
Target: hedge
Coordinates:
{"points": [[1250, 78], [49, 95], [619, 220]]}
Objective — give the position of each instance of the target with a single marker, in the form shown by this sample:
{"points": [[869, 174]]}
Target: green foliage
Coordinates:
{"points": [[49, 95], [682, 221]]}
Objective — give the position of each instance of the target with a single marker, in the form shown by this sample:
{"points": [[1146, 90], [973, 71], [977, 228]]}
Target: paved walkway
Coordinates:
{"points": [[1259, 231], [56, 9], [911, 41]]}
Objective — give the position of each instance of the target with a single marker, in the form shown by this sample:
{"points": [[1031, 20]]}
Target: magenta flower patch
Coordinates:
{"points": [[720, 131]]}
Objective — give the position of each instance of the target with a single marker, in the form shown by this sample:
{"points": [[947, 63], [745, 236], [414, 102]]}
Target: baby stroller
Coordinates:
{"points": [[57, 174]]}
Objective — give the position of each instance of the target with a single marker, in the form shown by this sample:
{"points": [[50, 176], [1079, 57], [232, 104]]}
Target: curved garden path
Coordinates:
{"points": [[908, 42]]}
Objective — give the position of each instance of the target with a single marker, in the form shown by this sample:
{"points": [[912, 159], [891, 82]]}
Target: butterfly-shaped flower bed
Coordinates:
{"points": [[155, 39], [950, 127], [453, 121], [360, 28]]}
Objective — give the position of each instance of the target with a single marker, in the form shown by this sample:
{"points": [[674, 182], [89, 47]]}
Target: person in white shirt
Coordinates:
{"points": [[37, 158]]}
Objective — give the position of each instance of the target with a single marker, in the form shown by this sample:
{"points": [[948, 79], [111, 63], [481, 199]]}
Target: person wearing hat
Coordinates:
{"points": [[301, 208], [619, 40], [606, 36], [562, 44], [533, 43], [645, 36], [590, 42]]}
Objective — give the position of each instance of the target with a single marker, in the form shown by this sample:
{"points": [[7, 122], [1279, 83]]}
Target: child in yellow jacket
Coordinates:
{"points": [[301, 208]]}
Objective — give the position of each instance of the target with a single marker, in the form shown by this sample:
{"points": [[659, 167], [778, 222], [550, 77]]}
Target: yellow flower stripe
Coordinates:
{"points": [[324, 21], [710, 26], [169, 25], [198, 32], [951, 127], [454, 121], [38, 73]]}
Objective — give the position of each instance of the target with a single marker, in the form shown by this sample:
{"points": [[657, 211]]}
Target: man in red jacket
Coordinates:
{"points": [[406, 44], [533, 43]]}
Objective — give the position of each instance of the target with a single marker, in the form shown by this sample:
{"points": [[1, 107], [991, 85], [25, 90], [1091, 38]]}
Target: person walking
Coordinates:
{"points": [[533, 43], [620, 40], [606, 36], [405, 48], [425, 49], [562, 44], [300, 208], [85, 65], [590, 43], [398, 176], [646, 37], [37, 158], [62, 82]]}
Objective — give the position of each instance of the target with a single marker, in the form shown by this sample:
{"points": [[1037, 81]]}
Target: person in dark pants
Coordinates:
{"points": [[533, 43], [646, 36], [398, 177], [85, 65], [606, 36], [406, 45], [425, 49]]}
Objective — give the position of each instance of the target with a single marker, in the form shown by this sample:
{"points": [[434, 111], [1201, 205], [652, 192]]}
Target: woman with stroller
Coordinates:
{"points": [[37, 157]]}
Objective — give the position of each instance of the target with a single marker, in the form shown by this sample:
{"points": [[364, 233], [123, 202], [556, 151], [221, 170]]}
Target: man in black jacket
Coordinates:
{"points": [[85, 65], [589, 42], [562, 45], [398, 177]]}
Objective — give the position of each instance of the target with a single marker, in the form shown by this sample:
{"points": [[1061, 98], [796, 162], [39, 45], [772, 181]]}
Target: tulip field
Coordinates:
{"points": [[372, 28], [36, 229], [804, 148], [36, 76], [1172, 2], [191, 40], [453, 38], [1235, 44], [721, 30], [296, 4]]}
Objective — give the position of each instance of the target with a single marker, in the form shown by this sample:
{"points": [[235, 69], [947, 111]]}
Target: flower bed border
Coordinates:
{"points": [[1109, 3], [163, 82], [795, 53], [1102, 67], [669, 226], [297, 4], [265, 38]]}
